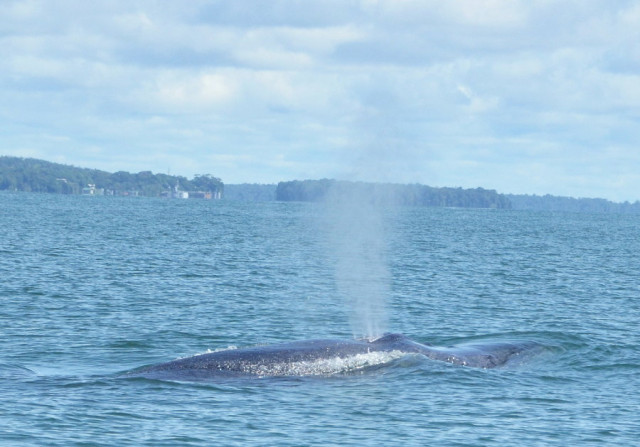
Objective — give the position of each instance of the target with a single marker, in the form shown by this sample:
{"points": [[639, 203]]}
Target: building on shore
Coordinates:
{"points": [[91, 190], [177, 193]]}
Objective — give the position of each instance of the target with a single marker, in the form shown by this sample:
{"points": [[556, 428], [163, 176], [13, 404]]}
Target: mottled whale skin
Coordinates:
{"points": [[272, 360]]}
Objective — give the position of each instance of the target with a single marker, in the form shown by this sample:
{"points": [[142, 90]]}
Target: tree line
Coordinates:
{"points": [[33, 175], [571, 204], [421, 195], [391, 194]]}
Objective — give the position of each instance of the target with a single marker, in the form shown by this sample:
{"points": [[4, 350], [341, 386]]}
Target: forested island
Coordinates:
{"points": [[32, 175], [421, 195], [392, 194]]}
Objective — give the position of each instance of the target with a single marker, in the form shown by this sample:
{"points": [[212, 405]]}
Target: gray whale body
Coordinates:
{"points": [[325, 356]]}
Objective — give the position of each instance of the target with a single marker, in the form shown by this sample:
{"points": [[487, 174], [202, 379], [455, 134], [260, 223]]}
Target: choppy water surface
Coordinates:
{"points": [[91, 287]]}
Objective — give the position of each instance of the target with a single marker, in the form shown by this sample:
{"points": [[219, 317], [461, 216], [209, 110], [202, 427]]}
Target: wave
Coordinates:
{"points": [[13, 371]]}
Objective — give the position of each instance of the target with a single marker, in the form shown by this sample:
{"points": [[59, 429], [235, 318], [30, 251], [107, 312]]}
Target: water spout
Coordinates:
{"points": [[358, 243]]}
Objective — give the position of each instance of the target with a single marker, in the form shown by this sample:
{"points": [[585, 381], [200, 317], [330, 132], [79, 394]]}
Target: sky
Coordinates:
{"points": [[520, 96]]}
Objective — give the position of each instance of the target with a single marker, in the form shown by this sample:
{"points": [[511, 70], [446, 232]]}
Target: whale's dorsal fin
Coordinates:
{"points": [[389, 338]]}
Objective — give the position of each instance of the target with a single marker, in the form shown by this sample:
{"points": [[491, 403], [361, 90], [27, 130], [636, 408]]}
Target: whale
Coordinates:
{"points": [[328, 356]]}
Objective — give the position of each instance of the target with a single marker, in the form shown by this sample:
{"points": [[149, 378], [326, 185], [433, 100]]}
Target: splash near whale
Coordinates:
{"points": [[326, 357]]}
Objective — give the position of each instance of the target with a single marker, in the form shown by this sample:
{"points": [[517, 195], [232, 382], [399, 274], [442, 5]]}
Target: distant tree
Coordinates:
{"points": [[207, 183]]}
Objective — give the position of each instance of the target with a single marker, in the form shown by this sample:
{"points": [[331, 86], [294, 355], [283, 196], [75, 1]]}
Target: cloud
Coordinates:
{"points": [[180, 91], [485, 93]]}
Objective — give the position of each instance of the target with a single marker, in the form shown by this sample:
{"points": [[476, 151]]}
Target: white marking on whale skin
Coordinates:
{"points": [[209, 351]]}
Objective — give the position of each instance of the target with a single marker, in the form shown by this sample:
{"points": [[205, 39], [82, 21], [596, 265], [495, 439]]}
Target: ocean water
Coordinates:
{"points": [[91, 287]]}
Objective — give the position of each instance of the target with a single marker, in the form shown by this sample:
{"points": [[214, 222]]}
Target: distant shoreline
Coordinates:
{"points": [[33, 175]]}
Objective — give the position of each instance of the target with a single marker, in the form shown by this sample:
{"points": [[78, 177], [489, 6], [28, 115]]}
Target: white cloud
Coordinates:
{"points": [[493, 93], [180, 91], [487, 13]]}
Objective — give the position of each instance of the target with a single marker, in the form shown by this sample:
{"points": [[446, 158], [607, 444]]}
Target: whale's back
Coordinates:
{"points": [[325, 357]]}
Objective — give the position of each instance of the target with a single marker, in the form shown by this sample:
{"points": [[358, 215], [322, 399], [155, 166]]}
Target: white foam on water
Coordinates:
{"points": [[324, 367]]}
